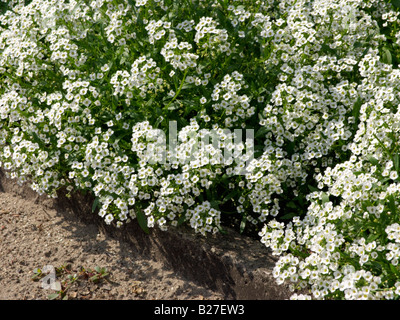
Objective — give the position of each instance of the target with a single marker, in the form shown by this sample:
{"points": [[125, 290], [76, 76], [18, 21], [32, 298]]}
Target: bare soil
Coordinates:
{"points": [[36, 231]]}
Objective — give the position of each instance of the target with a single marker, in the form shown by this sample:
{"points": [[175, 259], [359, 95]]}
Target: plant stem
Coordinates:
{"points": [[179, 90]]}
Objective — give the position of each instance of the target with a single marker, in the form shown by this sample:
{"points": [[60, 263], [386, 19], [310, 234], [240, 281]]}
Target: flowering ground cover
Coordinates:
{"points": [[279, 118]]}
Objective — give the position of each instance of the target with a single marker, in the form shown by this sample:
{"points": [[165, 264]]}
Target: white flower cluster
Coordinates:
{"points": [[176, 190], [142, 76], [236, 107], [213, 216], [358, 198], [209, 36]]}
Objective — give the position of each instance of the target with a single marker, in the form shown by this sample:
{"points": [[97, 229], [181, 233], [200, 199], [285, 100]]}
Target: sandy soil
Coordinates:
{"points": [[34, 234]]}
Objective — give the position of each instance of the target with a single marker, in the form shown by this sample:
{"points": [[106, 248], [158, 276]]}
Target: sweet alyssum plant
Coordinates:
{"points": [[277, 116]]}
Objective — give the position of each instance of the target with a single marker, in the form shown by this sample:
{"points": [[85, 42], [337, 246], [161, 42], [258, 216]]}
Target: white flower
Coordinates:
{"points": [[109, 218]]}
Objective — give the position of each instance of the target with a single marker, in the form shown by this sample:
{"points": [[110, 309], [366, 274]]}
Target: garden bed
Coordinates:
{"points": [[38, 231]]}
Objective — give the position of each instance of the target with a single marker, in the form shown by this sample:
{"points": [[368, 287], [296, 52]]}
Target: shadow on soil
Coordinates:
{"points": [[234, 265]]}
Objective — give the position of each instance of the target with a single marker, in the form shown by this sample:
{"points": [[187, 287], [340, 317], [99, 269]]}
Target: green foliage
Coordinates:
{"points": [[65, 277]]}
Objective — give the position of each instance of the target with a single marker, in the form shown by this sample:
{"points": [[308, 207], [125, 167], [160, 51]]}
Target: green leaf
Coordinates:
{"points": [[394, 270], [173, 106], [324, 198], [230, 196], [396, 3], [373, 160], [392, 204], [222, 231], [215, 204], [289, 216], [181, 219], [37, 139], [122, 61], [37, 274], [372, 237], [262, 131], [356, 110], [141, 218], [328, 49], [53, 296], [290, 147], [386, 56], [396, 161], [95, 203], [37, 270], [94, 278], [312, 188], [223, 3], [358, 44], [243, 224], [292, 205], [188, 86]]}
